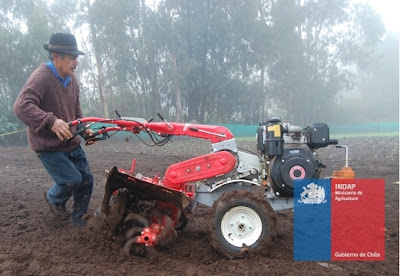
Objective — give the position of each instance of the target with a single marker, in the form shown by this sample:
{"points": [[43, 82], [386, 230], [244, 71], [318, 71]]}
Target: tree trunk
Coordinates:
{"points": [[155, 97], [99, 64], [260, 100], [178, 114]]}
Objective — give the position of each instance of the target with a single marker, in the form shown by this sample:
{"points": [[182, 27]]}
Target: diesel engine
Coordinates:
{"points": [[290, 152]]}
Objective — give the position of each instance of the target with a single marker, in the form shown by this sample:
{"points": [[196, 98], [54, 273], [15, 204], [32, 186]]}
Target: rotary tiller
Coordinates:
{"points": [[243, 188]]}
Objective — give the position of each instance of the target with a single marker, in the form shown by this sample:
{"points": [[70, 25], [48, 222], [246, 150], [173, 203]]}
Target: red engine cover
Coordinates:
{"points": [[198, 168]]}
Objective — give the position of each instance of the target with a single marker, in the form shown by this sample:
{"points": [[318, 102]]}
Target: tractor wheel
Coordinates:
{"points": [[243, 221]]}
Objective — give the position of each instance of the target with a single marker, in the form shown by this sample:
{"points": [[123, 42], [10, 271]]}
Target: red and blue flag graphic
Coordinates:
{"points": [[339, 220]]}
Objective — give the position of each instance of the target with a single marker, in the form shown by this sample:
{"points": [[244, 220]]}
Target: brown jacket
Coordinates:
{"points": [[41, 101]]}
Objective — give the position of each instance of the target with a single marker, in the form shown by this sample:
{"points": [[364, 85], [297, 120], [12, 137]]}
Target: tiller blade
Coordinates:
{"points": [[142, 188], [149, 227]]}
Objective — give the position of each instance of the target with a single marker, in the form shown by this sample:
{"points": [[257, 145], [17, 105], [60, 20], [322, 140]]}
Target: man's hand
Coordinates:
{"points": [[61, 129], [89, 132]]}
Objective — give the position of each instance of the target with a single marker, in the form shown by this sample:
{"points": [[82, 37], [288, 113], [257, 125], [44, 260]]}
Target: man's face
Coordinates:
{"points": [[65, 64]]}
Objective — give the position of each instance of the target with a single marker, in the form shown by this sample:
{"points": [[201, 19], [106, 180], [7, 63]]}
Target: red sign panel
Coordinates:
{"points": [[357, 219]]}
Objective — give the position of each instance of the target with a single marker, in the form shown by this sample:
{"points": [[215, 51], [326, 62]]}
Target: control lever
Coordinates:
{"points": [[81, 127], [118, 114], [139, 120], [165, 121], [94, 137], [208, 132]]}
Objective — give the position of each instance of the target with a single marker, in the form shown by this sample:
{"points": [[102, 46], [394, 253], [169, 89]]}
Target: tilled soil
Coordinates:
{"points": [[34, 243]]}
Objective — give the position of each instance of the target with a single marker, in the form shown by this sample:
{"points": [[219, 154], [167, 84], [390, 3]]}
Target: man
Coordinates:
{"points": [[48, 100]]}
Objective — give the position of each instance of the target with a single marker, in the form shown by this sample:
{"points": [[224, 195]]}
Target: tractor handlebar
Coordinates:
{"points": [[163, 129]]}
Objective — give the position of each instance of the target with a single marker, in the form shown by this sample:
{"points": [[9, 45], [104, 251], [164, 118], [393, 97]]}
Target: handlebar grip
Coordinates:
{"points": [[161, 117], [118, 114], [70, 124]]}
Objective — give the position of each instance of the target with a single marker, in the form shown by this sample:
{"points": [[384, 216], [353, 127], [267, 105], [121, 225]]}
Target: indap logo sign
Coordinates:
{"points": [[335, 220]]}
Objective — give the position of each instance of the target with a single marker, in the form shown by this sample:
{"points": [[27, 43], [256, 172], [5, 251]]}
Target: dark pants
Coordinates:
{"points": [[72, 177]]}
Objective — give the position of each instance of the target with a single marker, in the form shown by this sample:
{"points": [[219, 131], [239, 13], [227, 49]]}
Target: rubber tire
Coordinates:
{"points": [[256, 204]]}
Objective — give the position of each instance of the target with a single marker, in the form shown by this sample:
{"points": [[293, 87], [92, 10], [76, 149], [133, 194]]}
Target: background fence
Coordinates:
{"points": [[370, 129]]}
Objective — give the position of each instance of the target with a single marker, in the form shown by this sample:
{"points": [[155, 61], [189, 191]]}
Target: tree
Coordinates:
{"points": [[377, 89], [212, 61], [317, 50], [20, 52]]}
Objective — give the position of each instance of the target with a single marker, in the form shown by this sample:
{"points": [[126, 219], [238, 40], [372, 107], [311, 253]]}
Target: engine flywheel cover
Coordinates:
{"points": [[287, 171]]}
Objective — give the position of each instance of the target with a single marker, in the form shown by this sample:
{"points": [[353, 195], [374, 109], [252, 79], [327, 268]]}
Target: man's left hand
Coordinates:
{"points": [[89, 132]]}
